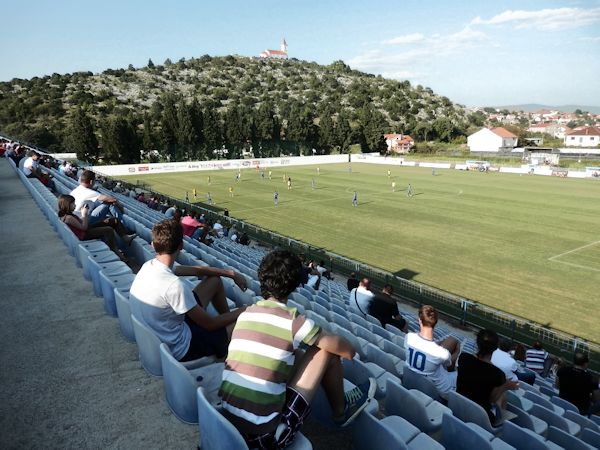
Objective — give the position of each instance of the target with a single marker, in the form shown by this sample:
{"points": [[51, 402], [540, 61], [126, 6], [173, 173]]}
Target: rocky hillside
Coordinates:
{"points": [[188, 108]]}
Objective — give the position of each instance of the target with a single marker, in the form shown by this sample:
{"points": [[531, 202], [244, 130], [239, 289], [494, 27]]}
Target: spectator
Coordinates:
{"points": [[244, 239], [170, 212], [352, 282], [501, 359], [79, 226], [435, 360], [385, 308], [103, 206], [218, 229], [361, 297], [31, 165], [481, 381], [536, 357], [192, 227], [577, 385], [266, 393], [324, 271], [175, 312]]}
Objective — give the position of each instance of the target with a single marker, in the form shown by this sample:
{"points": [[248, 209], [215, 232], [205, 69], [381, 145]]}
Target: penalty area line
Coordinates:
{"points": [[553, 258]]}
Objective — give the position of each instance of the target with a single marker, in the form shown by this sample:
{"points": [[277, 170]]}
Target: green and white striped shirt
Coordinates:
{"points": [[260, 363]]}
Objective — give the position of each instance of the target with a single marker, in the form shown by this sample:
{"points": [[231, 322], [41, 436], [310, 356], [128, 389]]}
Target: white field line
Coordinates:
{"points": [[555, 257]]}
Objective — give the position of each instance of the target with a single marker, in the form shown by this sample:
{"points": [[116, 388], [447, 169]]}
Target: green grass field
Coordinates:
{"points": [[528, 245]]}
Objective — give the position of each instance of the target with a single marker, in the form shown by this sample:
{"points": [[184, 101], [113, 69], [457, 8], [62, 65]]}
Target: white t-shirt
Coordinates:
{"points": [[506, 363], [29, 165], [363, 298], [161, 301], [430, 359], [83, 194]]}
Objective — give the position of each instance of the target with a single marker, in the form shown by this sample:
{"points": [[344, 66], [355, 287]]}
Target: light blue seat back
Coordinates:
{"points": [[414, 380], [591, 437], [148, 347], [469, 411], [181, 383], [553, 419], [564, 404], [565, 440], [109, 283], [217, 433], [457, 435], [526, 420], [124, 313], [522, 438]]}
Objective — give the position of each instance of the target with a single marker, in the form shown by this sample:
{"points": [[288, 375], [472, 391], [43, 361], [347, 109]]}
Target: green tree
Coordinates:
{"points": [[148, 139], [344, 135], [169, 126], [187, 134], [327, 137], [80, 136], [372, 124], [120, 141], [150, 64], [212, 131]]}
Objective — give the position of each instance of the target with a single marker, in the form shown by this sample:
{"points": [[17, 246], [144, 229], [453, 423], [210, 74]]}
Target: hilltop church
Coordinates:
{"points": [[279, 54]]}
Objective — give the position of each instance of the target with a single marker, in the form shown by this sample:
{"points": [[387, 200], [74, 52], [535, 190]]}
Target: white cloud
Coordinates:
{"points": [[544, 19], [401, 64], [406, 39]]}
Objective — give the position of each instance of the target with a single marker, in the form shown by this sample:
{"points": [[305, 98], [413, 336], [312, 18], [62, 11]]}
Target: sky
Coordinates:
{"points": [[477, 53]]}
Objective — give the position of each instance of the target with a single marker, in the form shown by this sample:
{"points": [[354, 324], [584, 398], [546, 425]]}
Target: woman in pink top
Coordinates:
{"points": [[79, 227]]}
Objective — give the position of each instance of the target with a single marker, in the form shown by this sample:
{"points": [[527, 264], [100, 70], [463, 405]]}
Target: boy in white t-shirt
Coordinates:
{"points": [[435, 360]]}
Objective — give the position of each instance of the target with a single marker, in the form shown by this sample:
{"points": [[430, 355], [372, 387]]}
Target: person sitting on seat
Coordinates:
{"points": [[101, 206], [267, 383], [536, 358], [176, 312], [577, 385], [352, 282], [385, 308], [502, 359], [361, 297], [481, 381], [80, 228], [435, 360]]}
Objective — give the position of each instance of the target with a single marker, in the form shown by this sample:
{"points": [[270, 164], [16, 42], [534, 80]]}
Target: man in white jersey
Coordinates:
{"points": [[361, 297], [435, 360]]}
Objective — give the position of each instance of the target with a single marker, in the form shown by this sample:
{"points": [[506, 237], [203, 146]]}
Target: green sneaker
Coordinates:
{"points": [[356, 400]]}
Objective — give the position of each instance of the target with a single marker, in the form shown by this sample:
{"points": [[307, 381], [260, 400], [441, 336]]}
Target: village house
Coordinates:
{"points": [[495, 140], [398, 143], [281, 53], [583, 137]]}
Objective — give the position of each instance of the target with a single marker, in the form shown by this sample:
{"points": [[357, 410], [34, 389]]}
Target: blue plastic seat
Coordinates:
{"points": [[526, 420], [181, 383], [565, 440], [105, 255], [148, 347], [414, 380], [108, 283], [320, 309], [591, 437], [418, 408], [86, 247], [217, 433], [114, 267], [553, 419], [565, 405], [536, 398], [469, 411], [522, 438], [458, 435], [391, 432], [582, 421], [124, 314]]}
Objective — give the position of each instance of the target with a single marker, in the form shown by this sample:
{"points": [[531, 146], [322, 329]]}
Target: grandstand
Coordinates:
{"points": [[89, 389]]}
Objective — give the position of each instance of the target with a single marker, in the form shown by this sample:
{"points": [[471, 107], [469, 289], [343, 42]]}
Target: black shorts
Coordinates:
{"points": [[295, 410], [205, 343]]}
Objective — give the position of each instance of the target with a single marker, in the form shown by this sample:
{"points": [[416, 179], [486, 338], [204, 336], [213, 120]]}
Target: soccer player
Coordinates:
{"points": [[208, 180], [194, 193], [313, 184], [318, 171], [355, 199], [389, 173], [209, 199], [270, 175], [433, 171], [349, 168], [276, 198], [238, 176], [186, 197], [231, 191], [393, 186], [289, 183], [409, 190]]}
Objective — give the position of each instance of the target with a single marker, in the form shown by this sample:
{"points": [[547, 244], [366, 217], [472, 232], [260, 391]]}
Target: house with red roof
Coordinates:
{"points": [[281, 53], [492, 140], [398, 143], [583, 137]]}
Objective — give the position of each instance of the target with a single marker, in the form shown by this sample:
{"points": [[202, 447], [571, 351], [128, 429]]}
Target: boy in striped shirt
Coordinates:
{"points": [[266, 392]]}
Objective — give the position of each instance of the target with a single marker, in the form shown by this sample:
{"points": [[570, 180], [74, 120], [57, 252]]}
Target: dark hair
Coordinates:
{"points": [[279, 274], [505, 345], [87, 176], [537, 345], [428, 315], [167, 236], [64, 204], [580, 358], [487, 342]]}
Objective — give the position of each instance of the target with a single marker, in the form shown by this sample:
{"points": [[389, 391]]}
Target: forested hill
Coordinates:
{"points": [[189, 108]]}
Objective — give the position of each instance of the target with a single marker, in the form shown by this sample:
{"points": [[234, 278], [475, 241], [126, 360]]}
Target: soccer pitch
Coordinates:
{"points": [[527, 245]]}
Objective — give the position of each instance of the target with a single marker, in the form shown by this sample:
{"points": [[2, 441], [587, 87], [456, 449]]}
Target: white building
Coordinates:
{"points": [[583, 137], [492, 140], [282, 53]]}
